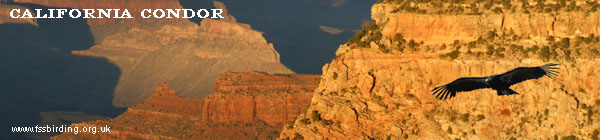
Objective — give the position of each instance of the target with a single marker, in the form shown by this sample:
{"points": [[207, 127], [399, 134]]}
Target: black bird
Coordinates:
{"points": [[501, 83]]}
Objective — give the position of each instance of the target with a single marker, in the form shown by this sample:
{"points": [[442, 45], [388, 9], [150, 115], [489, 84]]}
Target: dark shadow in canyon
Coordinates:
{"points": [[293, 26], [39, 74]]}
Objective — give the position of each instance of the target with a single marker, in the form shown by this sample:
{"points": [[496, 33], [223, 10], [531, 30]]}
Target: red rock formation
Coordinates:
{"points": [[246, 105], [275, 99]]}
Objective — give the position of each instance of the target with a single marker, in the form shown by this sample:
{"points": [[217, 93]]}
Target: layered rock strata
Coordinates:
{"points": [[246, 105], [446, 28]]}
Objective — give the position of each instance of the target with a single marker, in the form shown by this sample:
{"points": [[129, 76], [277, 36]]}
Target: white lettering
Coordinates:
{"points": [[12, 14], [89, 13], [38, 13], [27, 14], [205, 15], [108, 13], [61, 12], [105, 12], [75, 10], [126, 14], [144, 13], [51, 11], [217, 13], [186, 11], [172, 13], [162, 13], [117, 13]]}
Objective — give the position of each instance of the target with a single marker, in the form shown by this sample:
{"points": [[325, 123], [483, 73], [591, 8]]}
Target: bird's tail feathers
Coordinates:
{"points": [[549, 70], [506, 92]]}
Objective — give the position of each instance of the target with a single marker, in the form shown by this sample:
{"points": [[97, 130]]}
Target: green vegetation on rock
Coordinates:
{"points": [[478, 7], [369, 32]]}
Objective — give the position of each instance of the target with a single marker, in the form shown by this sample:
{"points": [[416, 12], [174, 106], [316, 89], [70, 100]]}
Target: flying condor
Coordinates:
{"points": [[501, 82]]}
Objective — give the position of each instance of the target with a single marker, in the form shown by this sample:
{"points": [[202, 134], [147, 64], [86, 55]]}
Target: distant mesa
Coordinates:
{"points": [[187, 55], [190, 57]]}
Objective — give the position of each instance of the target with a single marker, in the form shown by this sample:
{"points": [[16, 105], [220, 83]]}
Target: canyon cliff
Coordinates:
{"points": [[445, 28], [244, 105], [379, 85], [438, 29]]}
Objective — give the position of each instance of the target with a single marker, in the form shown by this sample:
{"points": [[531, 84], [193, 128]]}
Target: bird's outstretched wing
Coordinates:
{"points": [[461, 84], [525, 73]]}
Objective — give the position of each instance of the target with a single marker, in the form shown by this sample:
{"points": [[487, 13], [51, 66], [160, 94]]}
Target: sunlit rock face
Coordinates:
{"points": [[376, 96], [445, 28]]}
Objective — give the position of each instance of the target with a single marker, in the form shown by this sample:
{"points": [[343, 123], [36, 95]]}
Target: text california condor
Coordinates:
{"points": [[115, 13]]}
